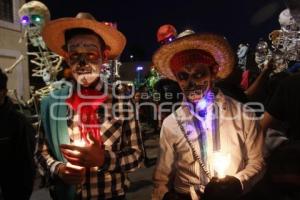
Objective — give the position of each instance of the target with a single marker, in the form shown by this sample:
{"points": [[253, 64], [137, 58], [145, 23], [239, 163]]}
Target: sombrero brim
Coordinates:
{"points": [[54, 34], [216, 45]]}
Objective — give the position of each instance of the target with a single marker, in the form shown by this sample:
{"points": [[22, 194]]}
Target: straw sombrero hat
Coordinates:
{"points": [[214, 44], [54, 33]]}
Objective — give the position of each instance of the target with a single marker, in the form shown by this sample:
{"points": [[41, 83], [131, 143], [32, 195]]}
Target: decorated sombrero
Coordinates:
{"points": [[217, 46], [54, 33]]}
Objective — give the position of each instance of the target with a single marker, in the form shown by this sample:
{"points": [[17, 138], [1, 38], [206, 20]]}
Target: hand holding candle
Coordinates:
{"points": [[71, 174], [90, 155], [222, 186]]}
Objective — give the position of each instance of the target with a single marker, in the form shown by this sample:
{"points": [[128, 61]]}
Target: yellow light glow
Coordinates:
{"points": [[79, 143], [221, 162]]}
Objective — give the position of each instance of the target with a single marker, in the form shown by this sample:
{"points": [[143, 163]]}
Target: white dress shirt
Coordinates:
{"points": [[240, 137]]}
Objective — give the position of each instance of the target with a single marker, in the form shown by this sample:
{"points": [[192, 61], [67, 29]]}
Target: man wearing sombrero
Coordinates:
{"points": [[89, 142], [211, 146]]}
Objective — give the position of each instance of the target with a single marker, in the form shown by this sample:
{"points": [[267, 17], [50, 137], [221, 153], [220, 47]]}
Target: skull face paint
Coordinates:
{"points": [[195, 80], [85, 58], [194, 71]]}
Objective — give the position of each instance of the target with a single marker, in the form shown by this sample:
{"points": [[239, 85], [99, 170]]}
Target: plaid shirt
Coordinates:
{"points": [[123, 154]]}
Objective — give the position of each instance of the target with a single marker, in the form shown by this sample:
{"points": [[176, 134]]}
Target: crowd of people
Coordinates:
{"points": [[93, 134]]}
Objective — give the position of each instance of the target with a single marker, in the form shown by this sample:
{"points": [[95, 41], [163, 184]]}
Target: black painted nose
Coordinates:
{"points": [[82, 61], [191, 84]]}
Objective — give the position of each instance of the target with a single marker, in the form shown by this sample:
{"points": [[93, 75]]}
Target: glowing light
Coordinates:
{"points": [[79, 143], [25, 20], [36, 18], [139, 68], [201, 105], [221, 162]]}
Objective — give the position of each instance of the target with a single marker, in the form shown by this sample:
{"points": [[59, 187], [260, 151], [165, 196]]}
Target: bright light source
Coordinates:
{"points": [[131, 56], [221, 162], [79, 143], [201, 105], [25, 20], [36, 18], [139, 68]]}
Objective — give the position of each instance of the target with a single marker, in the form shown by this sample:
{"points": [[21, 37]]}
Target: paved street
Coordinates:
{"points": [[141, 180]]}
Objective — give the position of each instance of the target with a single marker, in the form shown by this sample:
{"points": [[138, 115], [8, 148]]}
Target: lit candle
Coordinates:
{"points": [[221, 162], [79, 143]]}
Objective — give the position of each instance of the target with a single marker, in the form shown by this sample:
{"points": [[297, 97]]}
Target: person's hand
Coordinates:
{"points": [[91, 155], [71, 174], [226, 188]]}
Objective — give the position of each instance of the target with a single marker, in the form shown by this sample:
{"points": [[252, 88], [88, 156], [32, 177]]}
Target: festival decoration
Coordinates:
{"points": [[166, 33]]}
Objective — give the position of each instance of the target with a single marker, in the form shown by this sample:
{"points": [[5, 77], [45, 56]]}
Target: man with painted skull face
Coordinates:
{"points": [[207, 125], [88, 153]]}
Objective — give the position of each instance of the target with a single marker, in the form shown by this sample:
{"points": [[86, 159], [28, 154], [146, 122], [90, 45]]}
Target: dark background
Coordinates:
{"points": [[238, 20]]}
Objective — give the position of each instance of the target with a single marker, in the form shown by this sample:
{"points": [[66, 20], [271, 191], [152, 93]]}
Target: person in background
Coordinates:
{"points": [[17, 136]]}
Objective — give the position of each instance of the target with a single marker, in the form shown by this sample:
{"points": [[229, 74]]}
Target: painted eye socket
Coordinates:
{"points": [[93, 56], [182, 76], [88, 57], [74, 56], [198, 75]]}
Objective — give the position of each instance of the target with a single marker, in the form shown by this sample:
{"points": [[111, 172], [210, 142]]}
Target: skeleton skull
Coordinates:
{"points": [[287, 22], [33, 16]]}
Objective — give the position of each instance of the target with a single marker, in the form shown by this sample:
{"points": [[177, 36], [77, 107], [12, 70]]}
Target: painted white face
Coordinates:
{"points": [[85, 58]]}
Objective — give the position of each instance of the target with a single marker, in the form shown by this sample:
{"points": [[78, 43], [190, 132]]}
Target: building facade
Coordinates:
{"points": [[11, 48]]}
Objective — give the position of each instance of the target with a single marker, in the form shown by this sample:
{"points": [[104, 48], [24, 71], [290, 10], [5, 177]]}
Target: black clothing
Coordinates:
{"points": [[285, 105], [16, 153]]}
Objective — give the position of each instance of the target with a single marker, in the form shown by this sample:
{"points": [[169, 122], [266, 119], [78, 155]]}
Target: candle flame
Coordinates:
{"points": [[221, 162], [79, 143]]}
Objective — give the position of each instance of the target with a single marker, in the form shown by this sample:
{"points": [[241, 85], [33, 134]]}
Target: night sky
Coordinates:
{"points": [[238, 20]]}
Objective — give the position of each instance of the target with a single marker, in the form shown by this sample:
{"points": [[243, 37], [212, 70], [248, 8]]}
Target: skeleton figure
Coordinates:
{"points": [[262, 53], [33, 16], [279, 61], [242, 55], [287, 39], [110, 71]]}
